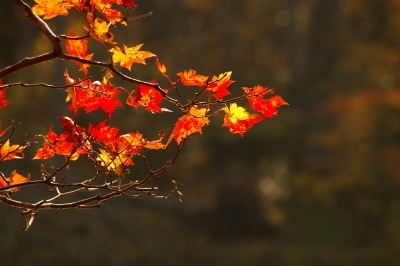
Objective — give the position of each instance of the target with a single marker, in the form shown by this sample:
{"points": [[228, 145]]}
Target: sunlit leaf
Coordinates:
{"points": [[129, 55], [189, 124], [9, 152], [238, 120]]}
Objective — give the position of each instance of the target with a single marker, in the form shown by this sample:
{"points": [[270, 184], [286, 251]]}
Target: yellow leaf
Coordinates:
{"points": [[8, 152]]}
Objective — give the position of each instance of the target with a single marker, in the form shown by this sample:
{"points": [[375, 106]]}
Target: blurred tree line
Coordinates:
{"points": [[323, 189]]}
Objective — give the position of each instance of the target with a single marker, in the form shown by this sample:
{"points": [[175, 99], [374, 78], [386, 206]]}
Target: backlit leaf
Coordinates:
{"points": [[147, 97], [9, 152], [129, 55], [189, 124], [238, 120], [190, 78], [78, 48]]}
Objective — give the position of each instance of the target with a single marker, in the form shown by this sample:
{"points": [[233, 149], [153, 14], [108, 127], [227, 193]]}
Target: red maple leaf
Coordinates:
{"points": [[147, 97], [90, 96], [102, 133], [267, 107], [190, 78], [218, 85], [73, 142], [238, 120], [78, 48], [189, 124]]}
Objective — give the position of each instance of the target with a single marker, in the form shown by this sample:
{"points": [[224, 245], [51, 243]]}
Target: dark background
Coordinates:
{"points": [[317, 185]]}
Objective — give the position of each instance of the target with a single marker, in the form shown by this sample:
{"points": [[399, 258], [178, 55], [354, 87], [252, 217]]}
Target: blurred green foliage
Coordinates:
{"points": [[318, 185]]}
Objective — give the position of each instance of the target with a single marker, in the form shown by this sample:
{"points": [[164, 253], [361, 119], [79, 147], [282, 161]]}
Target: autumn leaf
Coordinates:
{"points": [[9, 152], [105, 9], [52, 8], [238, 120], [129, 55], [3, 101], [218, 85], [190, 78], [79, 48], [90, 96], [114, 161], [4, 182], [102, 133], [14, 179], [161, 67], [147, 97], [127, 3], [44, 153], [98, 29], [72, 143], [189, 124], [267, 107]]}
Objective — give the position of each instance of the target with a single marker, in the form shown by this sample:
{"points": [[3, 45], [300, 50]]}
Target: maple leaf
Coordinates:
{"points": [[161, 67], [3, 101], [218, 85], [129, 56], [91, 96], [190, 78], [105, 9], [267, 107], [73, 142], [46, 152], [52, 8], [98, 29], [79, 48], [102, 133], [9, 152], [189, 124], [127, 3], [114, 161], [239, 120], [14, 179], [147, 97]]}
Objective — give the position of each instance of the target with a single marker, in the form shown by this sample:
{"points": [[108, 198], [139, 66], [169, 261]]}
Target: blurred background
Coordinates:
{"points": [[317, 185]]}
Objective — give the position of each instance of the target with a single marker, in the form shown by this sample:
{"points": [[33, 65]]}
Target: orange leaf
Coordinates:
{"points": [[16, 178], [218, 85], [267, 107], [161, 67], [91, 96], [78, 48], [44, 153], [51, 8], [104, 7], [189, 124], [8, 152], [129, 56], [190, 78], [99, 29], [102, 133], [238, 119], [147, 97]]}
